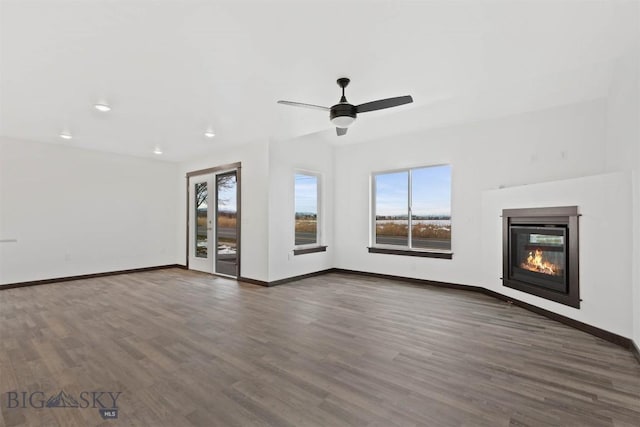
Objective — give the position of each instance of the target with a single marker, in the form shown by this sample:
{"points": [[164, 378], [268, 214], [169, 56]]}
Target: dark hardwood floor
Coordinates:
{"points": [[186, 348]]}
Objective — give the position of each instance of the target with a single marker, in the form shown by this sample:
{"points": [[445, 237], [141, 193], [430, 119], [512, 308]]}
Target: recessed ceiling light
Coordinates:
{"points": [[157, 151], [209, 134], [102, 107], [65, 135]]}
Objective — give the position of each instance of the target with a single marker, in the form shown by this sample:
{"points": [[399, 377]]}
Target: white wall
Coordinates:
{"points": [[312, 153], [76, 211], [547, 145], [623, 140], [605, 205], [623, 145], [254, 238]]}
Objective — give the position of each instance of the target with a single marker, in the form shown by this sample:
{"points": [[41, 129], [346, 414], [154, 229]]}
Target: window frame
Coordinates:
{"points": [[317, 246], [398, 249]]}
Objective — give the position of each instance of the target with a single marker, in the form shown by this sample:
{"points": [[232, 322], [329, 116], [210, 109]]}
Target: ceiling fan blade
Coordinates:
{"points": [[384, 103], [341, 131], [300, 104]]}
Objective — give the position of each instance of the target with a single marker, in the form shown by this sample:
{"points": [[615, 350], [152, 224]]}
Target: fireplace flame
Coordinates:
{"points": [[536, 263]]}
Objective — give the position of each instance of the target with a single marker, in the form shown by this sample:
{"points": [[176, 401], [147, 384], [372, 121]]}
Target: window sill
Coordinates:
{"points": [[412, 252], [309, 250]]}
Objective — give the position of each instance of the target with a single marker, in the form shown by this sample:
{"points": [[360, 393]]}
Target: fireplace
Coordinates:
{"points": [[540, 252]]}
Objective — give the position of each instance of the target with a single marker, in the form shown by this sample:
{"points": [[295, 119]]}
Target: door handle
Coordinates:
{"points": [[209, 228]]}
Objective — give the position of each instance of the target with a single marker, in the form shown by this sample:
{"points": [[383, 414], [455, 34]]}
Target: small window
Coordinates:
{"points": [[307, 196], [202, 218], [412, 209]]}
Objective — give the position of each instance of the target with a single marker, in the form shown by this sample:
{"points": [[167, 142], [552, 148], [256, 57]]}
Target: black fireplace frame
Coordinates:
{"points": [[565, 217]]}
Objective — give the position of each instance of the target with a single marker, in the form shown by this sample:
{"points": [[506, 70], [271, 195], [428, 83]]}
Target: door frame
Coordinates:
{"points": [[217, 170]]}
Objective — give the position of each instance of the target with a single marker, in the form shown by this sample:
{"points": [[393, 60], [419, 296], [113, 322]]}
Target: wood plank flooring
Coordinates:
{"points": [[336, 350]]}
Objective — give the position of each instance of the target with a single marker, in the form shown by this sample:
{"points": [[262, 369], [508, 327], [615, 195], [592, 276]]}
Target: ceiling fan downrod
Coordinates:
{"points": [[343, 82]]}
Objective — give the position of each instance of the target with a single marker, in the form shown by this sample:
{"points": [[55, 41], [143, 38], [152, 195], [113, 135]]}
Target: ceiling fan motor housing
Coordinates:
{"points": [[343, 114]]}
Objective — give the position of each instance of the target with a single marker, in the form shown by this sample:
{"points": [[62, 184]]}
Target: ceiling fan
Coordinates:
{"points": [[343, 114]]}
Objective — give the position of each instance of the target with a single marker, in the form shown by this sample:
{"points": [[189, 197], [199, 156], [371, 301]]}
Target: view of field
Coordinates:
{"points": [[223, 222], [425, 234], [306, 225], [306, 228], [438, 230], [226, 224]]}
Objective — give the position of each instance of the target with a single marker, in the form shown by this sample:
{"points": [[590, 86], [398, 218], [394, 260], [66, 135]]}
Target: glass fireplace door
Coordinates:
{"points": [[539, 257]]}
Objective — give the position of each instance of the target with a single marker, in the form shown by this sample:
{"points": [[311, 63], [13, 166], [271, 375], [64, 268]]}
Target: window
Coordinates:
{"points": [[202, 217], [412, 210], [307, 230]]}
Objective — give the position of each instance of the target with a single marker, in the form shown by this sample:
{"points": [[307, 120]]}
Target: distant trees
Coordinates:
{"points": [[201, 194], [415, 217], [306, 215], [225, 182]]}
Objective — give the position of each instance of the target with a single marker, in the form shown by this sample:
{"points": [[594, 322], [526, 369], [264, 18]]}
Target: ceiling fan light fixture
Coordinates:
{"points": [[65, 135], [209, 134], [342, 115], [343, 121]]}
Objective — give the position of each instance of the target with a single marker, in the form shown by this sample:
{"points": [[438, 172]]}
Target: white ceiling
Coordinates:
{"points": [[172, 68]]}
